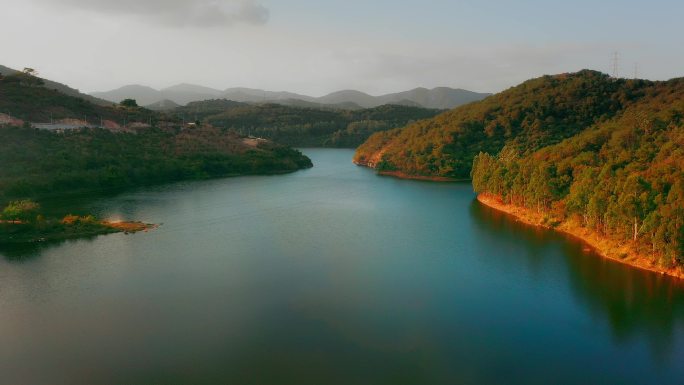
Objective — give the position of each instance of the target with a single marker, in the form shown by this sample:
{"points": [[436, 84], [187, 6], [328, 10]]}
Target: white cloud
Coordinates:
{"points": [[175, 13]]}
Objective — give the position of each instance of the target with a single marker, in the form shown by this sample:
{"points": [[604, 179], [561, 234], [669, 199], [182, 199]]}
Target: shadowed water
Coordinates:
{"points": [[330, 276]]}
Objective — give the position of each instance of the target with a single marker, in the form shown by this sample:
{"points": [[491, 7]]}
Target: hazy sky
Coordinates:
{"points": [[318, 46]]}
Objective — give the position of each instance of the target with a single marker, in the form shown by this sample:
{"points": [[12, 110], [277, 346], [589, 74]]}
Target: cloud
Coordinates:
{"points": [[181, 13]]}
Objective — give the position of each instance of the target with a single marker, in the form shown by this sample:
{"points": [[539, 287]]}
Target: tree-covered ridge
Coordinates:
{"points": [[22, 96], [42, 165], [623, 178], [534, 114], [39, 163], [303, 126]]}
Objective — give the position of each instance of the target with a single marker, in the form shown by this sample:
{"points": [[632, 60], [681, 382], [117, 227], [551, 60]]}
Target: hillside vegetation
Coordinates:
{"points": [[303, 126], [582, 152], [59, 87], [25, 97], [42, 165], [534, 114], [37, 163], [622, 178]]}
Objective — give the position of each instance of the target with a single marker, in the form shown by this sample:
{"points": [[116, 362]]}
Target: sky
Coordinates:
{"points": [[316, 46]]}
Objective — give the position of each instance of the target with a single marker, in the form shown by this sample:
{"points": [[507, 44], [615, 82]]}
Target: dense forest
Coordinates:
{"points": [[44, 165], [537, 113], [623, 178], [584, 149], [37, 163], [302, 126]]}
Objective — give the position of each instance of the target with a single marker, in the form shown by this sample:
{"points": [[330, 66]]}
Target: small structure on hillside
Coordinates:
{"points": [[110, 125], [138, 125], [63, 125], [8, 120]]}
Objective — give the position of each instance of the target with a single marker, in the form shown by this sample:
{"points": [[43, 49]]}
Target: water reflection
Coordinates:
{"points": [[633, 302], [22, 252], [330, 275]]}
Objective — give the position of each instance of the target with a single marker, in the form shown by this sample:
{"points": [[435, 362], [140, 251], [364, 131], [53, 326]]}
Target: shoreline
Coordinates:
{"points": [[129, 227], [72, 227], [403, 175], [605, 247]]}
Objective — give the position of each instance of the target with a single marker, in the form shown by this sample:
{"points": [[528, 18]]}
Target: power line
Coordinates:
{"points": [[615, 65], [636, 71]]}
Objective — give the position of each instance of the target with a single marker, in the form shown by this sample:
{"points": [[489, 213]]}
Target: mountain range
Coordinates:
{"points": [[182, 94]]}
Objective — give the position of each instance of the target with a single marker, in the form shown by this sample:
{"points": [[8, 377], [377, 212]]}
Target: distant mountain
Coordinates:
{"points": [[163, 105], [66, 90], [250, 95], [357, 97], [186, 93], [192, 89], [142, 94], [443, 98], [182, 94]]}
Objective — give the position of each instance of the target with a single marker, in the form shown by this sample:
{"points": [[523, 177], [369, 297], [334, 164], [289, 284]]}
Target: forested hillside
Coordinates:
{"points": [[55, 86], [534, 114], [622, 178], [36, 162], [303, 126], [577, 150], [39, 163], [24, 96]]}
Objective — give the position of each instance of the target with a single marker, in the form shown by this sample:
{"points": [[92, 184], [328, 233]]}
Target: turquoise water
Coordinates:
{"points": [[332, 275]]}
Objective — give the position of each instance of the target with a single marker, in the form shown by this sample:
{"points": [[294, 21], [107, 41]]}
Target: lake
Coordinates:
{"points": [[332, 275]]}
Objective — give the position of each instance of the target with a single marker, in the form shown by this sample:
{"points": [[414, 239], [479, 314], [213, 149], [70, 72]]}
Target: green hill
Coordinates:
{"points": [[38, 163], [536, 113], [26, 98], [622, 178], [586, 152], [62, 88], [303, 126]]}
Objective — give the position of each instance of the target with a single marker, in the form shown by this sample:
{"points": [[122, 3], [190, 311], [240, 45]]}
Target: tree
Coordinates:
{"points": [[29, 77], [130, 103], [30, 72], [21, 211], [634, 202]]}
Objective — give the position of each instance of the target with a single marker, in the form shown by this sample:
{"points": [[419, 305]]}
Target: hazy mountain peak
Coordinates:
{"points": [[187, 87], [184, 93]]}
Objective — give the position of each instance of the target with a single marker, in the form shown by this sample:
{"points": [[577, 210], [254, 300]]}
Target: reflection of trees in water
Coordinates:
{"points": [[24, 251], [20, 252], [633, 302]]}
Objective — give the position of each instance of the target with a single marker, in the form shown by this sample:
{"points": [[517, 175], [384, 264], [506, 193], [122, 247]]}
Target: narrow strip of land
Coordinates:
{"points": [[402, 175]]}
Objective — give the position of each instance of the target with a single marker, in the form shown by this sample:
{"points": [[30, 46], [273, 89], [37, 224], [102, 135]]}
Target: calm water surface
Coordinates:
{"points": [[330, 276]]}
